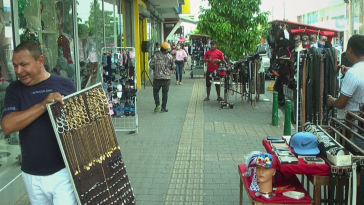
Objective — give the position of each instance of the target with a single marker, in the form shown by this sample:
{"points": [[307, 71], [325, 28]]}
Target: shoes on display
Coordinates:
{"points": [[156, 109], [164, 110]]}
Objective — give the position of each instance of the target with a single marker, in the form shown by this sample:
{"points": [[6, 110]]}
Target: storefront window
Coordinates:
{"points": [[9, 144], [153, 34], [90, 41], [50, 23], [91, 27]]}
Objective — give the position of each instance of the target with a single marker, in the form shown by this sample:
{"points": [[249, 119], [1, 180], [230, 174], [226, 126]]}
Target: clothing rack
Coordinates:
{"points": [[121, 88]]}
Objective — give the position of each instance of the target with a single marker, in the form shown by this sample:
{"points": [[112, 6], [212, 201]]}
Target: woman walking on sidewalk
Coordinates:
{"points": [[181, 55]]}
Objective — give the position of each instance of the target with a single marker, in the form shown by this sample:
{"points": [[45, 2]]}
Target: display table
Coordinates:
{"points": [[302, 167], [317, 174], [279, 199]]}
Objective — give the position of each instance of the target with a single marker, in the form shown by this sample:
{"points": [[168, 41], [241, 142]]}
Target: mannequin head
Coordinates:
{"points": [[297, 41], [265, 178], [305, 40], [323, 38], [266, 166], [313, 38]]}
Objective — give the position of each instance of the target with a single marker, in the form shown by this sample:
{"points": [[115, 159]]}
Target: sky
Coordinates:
{"points": [[83, 9], [291, 8]]}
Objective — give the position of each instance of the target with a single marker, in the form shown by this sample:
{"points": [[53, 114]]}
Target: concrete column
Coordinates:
{"points": [[129, 23]]}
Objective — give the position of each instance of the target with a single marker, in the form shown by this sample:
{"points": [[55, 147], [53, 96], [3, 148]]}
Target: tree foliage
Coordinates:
{"points": [[98, 22], [237, 25]]}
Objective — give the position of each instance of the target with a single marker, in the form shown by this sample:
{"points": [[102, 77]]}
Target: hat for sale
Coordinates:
{"points": [[264, 160], [165, 45], [304, 143]]}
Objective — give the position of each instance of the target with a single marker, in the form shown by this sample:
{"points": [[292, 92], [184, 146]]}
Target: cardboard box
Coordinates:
{"points": [[340, 160]]}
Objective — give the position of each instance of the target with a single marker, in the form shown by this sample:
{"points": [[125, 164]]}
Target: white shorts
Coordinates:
{"points": [[53, 189]]}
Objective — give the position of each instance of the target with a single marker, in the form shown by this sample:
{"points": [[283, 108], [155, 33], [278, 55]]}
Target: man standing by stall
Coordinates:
{"points": [[352, 89], [213, 58]]}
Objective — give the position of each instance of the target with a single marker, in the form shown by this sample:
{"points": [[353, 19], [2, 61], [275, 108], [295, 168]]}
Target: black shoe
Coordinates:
{"points": [[164, 110]]}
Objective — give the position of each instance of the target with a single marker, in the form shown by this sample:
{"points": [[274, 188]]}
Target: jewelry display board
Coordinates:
{"points": [[90, 149]]}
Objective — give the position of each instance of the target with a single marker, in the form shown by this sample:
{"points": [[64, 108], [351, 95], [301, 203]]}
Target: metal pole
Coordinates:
{"points": [[76, 62], [115, 23], [287, 119], [298, 88], [284, 11], [275, 109], [103, 20]]}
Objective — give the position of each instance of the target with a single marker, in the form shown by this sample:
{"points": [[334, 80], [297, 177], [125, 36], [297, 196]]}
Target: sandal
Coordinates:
{"points": [[206, 99], [220, 99]]}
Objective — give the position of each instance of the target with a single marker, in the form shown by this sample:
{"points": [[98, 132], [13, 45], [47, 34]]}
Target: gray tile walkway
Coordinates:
{"points": [[190, 154]]}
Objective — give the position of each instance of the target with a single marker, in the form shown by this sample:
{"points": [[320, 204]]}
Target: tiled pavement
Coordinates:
{"points": [[190, 154]]}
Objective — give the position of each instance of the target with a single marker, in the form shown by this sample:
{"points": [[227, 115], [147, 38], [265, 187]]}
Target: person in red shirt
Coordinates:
{"points": [[213, 58]]}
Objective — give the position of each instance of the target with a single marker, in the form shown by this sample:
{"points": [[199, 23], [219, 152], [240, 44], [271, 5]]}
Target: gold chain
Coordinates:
{"points": [[111, 128], [67, 138]]}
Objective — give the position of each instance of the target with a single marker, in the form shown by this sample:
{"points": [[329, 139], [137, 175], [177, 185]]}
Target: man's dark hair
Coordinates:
{"points": [[356, 43], [30, 46]]}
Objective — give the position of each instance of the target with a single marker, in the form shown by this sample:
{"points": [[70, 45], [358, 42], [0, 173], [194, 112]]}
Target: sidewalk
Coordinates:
{"points": [[190, 154]]}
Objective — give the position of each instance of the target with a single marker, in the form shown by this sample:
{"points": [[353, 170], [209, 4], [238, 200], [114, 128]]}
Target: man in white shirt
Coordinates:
{"points": [[352, 89]]}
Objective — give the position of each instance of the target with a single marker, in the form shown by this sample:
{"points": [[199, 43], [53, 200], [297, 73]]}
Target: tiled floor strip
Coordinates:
{"points": [[186, 183]]}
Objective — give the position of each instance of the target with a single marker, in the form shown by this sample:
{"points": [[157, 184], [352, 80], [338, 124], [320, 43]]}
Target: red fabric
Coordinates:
{"points": [[65, 44], [329, 34], [302, 167], [280, 199], [216, 54], [296, 25]]}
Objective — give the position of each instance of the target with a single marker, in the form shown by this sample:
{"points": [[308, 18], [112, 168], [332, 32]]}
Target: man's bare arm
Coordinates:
{"points": [[17, 121]]}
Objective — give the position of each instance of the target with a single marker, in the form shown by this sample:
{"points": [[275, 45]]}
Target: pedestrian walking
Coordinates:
{"points": [[162, 64], [181, 57]]}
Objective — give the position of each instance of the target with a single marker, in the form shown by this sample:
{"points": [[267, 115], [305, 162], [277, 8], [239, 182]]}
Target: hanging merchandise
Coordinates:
{"points": [[119, 84], [90, 149], [305, 66]]}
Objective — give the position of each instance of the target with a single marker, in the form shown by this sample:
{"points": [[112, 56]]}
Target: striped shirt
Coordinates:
{"points": [[353, 87]]}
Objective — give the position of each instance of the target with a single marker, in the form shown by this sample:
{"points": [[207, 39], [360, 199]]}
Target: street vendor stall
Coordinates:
{"points": [[305, 65], [332, 165], [199, 45]]}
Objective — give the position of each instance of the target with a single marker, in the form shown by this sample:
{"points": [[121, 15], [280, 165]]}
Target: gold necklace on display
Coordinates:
{"points": [[67, 138], [110, 127]]}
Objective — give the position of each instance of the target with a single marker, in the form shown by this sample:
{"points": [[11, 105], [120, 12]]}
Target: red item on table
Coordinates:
{"points": [[279, 198], [302, 167]]}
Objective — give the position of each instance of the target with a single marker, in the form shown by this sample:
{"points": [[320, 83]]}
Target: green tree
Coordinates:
{"points": [[95, 22], [237, 25]]}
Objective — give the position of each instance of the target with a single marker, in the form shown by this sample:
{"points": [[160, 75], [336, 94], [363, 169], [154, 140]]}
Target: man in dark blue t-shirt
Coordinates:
{"points": [[44, 172]]}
